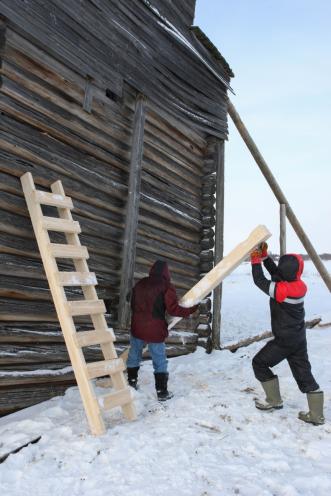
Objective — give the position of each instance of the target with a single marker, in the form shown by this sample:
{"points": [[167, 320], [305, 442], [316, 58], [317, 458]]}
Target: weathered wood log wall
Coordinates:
{"points": [[70, 76]]}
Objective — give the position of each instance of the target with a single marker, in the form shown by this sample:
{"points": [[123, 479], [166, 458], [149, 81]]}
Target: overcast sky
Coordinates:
{"points": [[280, 54]]}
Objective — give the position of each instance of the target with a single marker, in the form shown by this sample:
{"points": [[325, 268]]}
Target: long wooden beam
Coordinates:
{"points": [[279, 194], [132, 211], [211, 280]]}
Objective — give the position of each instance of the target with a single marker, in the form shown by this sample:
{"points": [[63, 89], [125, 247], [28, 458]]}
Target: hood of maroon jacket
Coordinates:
{"points": [[160, 270]]}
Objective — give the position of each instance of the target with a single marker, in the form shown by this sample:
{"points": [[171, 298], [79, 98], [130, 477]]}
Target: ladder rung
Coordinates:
{"points": [[61, 225], [53, 199], [86, 307], [117, 398], [68, 251], [77, 279], [90, 338], [105, 367]]}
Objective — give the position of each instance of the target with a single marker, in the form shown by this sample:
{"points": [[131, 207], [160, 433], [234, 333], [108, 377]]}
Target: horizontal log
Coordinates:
{"points": [[55, 378], [206, 266], [16, 165], [56, 73], [12, 354], [208, 191], [208, 200], [16, 398], [207, 243], [205, 306], [25, 88], [73, 85], [41, 144], [10, 89], [206, 255], [208, 211], [203, 330], [208, 221], [205, 319]]}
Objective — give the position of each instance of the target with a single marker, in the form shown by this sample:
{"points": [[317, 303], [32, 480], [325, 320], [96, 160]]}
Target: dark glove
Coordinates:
{"points": [[256, 256], [264, 250]]}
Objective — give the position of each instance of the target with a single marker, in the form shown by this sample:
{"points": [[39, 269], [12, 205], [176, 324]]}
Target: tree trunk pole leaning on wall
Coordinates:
{"points": [[219, 243], [279, 194], [132, 210], [282, 229]]}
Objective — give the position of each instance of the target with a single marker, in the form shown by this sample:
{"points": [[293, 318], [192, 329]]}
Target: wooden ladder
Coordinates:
{"points": [[66, 310]]}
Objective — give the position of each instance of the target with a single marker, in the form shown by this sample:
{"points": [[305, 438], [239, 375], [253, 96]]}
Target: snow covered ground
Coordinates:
{"points": [[209, 440]]}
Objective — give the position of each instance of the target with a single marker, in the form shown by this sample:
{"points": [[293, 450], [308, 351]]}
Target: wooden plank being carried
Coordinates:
{"points": [[221, 270], [67, 310]]}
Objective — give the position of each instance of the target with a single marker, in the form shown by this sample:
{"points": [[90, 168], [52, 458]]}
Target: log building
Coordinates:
{"points": [[126, 103]]}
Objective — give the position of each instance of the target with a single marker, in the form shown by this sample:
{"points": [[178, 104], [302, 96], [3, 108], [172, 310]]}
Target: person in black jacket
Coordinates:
{"points": [[287, 292], [153, 297]]}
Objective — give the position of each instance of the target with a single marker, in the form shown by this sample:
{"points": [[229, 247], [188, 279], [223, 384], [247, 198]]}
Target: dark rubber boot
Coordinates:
{"points": [[133, 376], [161, 386], [315, 403], [273, 400]]}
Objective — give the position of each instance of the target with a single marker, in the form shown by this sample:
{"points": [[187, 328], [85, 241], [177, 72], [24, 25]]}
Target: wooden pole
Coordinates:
{"points": [[279, 194], [132, 210], [282, 229], [219, 243]]}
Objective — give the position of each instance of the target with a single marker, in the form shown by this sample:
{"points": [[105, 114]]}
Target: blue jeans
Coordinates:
{"points": [[157, 351]]}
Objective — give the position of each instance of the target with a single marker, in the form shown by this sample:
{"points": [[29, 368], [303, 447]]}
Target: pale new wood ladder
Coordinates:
{"points": [[66, 310]]}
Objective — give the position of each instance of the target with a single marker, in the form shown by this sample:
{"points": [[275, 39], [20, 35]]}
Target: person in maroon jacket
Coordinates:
{"points": [[151, 298], [287, 291]]}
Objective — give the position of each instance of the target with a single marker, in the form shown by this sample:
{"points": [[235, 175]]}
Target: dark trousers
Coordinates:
{"points": [[296, 355]]}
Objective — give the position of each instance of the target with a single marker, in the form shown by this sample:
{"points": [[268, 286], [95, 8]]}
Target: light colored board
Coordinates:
{"points": [[118, 398], [85, 307], [91, 338], [65, 310], [105, 367], [61, 225], [227, 265], [52, 199], [77, 278], [67, 251], [124, 355]]}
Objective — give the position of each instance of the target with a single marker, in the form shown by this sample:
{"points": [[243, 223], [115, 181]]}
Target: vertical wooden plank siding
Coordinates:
{"points": [[219, 242], [131, 216]]}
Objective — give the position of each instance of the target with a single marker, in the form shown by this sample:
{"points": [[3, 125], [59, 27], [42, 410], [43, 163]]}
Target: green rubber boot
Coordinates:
{"points": [[273, 400], [315, 403]]}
